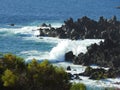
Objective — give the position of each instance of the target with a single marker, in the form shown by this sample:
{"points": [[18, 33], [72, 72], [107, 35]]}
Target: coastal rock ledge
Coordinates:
{"points": [[84, 28]]}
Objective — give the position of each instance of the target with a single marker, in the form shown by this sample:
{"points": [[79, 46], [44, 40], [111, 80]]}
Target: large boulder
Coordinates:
{"points": [[69, 56]]}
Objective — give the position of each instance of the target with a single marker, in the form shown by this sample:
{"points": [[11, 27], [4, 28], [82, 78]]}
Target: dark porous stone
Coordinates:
{"points": [[106, 54], [86, 28], [68, 68], [69, 56], [12, 24]]}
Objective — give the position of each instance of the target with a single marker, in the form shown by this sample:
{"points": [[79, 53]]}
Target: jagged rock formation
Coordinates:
{"points": [[100, 73], [85, 28], [107, 54]]}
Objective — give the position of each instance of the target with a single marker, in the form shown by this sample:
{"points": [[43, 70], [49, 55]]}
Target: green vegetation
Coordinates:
{"points": [[8, 78], [15, 74], [78, 86]]}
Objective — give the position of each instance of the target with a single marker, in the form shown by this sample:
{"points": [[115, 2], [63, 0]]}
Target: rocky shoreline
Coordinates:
{"points": [[84, 28], [106, 54]]}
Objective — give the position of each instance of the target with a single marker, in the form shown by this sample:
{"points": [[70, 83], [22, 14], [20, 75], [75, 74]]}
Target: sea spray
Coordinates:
{"points": [[57, 53], [53, 49]]}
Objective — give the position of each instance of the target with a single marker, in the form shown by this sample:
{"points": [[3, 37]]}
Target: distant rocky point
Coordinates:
{"points": [[84, 28], [118, 7], [12, 24]]}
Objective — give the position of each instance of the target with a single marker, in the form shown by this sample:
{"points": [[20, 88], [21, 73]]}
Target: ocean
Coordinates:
{"points": [[32, 12], [27, 15]]}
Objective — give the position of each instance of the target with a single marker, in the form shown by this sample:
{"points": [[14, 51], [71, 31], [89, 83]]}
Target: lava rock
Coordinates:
{"points": [[86, 28], [12, 24], [69, 68], [69, 56]]}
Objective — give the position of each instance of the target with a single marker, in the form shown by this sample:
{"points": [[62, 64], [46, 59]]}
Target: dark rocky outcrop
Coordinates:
{"points": [[68, 68], [107, 54], [118, 7], [100, 73], [12, 24], [85, 28], [69, 56]]}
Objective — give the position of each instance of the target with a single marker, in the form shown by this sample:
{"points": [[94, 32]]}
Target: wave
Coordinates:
{"points": [[54, 50], [34, 54], [58, 53], [56, 24], [25, 31], [13, 31], [58, 49]]}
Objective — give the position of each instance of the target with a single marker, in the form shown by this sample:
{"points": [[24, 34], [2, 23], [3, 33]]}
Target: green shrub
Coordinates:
{"points": [[15, 74], [78, 86], [9, 78], [45, 76], [13, 62]]}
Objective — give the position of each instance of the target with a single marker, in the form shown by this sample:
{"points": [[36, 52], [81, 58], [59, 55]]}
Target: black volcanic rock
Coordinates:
{"points": [[69, 56], [100, 73], [12, 24], [85, 28], [107, 54], [68, 68], [118, 7]]}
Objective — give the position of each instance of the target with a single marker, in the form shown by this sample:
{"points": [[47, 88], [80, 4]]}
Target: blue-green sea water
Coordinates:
{"points": [[28, 14]]}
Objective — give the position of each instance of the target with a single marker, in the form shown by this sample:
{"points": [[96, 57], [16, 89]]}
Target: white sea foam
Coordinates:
{"points": [[90, 84], [56, 25], [34, 54], [57, 53], [64, 46], [43, 39], [27, 30]]}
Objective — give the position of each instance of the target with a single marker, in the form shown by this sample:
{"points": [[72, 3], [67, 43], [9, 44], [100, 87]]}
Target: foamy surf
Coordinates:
{"points": [[57, 47], [23, 42], [64, 46], [34, 54]]}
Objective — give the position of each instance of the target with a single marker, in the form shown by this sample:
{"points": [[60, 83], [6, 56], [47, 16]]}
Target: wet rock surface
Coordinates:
{"points": [[69, 56]]}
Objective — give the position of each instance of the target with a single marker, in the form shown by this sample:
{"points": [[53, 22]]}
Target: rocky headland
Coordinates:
{"points": [[84, 28]]}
